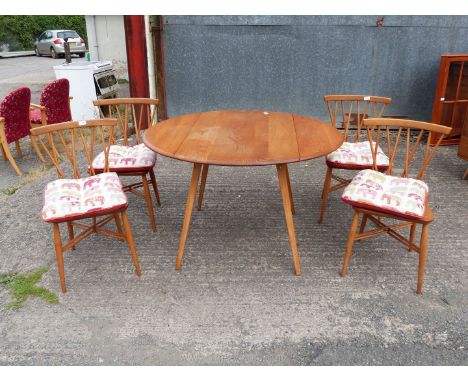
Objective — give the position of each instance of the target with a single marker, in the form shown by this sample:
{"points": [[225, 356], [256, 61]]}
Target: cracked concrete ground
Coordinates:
{"points": [[236, 300]]}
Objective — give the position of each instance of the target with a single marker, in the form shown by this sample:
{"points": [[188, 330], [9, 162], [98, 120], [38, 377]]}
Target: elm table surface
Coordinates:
{"points": [[242, 138]]}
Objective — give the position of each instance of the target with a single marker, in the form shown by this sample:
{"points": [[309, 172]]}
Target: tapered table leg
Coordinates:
{"points": [[188, 212], [202, 186], [293, 210], [285, 194]]}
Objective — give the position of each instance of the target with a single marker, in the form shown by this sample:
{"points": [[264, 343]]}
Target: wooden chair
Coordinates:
{"points": [[14, 124], [353, 154], [378, 196], [127, 159], [54, 104], [70, 200]]}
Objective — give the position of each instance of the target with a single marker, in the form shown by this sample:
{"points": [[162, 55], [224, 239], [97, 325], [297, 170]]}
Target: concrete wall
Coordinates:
{"points": [[289, 62], [110, 39]]}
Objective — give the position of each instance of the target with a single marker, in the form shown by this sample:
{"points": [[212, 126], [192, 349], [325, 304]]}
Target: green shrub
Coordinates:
{"points": [[20, 32]]}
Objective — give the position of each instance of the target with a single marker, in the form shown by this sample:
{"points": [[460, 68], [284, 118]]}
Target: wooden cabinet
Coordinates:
{"points": [[450, 106]]}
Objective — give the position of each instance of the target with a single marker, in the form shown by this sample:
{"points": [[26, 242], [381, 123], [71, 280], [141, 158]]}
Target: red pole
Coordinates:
{"points": [[135, 41]]}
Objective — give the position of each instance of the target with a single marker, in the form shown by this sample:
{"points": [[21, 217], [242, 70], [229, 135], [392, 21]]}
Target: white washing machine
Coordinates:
{"points": [[89, 80]]}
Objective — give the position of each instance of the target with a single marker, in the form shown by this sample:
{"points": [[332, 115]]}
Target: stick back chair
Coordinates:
{"points": [[354, 154], [70, 200], [376, 196], [132, 157], [15, 125]]}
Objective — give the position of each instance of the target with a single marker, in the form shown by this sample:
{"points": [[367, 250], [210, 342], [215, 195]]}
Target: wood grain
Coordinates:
{"points": [[242, 138]]}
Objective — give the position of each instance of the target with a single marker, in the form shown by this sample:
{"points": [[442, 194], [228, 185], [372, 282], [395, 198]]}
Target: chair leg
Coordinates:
{"points": [[349, 245], [118, 224], [71, 234], [411, 235], [202, 186], [131, 243], [6, 150], [422, 257], [363, 223], [149, 203], [465, 174], [3, 152], [18, 149], [155, 187], [36, 148], [59, 256], [325, 191]]}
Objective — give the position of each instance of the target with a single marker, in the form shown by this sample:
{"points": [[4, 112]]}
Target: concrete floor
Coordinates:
{"points": [[236, 300]]}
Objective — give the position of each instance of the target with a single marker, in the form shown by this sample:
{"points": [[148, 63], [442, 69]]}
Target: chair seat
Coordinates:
{"points": [[124, 158], [373, 190], [36, 116], [356, 155], [71, 199]]}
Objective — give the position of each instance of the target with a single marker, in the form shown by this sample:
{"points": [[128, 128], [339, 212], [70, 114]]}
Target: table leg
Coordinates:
{"points": [[202, 186], [188, 212], [283, 183], [293, 210]]}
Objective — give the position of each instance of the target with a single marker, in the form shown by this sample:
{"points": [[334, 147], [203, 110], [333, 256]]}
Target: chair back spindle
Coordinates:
{"points": [[351, 110], [133, 115], [394, 131], [77, 139]]}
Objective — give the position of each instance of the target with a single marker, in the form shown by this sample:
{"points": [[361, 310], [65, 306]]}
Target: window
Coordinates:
{"points": [[69, 34]]}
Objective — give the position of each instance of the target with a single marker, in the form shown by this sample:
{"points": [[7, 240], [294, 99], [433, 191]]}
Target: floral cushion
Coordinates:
{"points": [[400, 196], [357, 155], [124, 158], [69, 199], [36, 116]]}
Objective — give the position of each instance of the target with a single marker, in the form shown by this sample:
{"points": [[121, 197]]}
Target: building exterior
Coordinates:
{"points": [[106, 41], [288, 63]]}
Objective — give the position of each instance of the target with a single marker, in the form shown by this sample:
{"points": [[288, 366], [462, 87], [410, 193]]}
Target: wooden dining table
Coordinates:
{"points": [[242, 138]]}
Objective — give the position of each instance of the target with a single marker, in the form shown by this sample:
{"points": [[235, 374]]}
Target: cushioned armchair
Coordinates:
{"points": [[15, 124], [54, 104]]}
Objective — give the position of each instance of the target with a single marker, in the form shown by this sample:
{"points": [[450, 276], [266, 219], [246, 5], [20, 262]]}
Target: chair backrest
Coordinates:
{"points": [[75, 137], [55, 99], [133, 114], [350, 110], [15, 110], [411, 134]]}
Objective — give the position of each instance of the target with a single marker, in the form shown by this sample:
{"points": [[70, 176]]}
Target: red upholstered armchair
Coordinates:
{"points": [[15, 124], [54, 104]]}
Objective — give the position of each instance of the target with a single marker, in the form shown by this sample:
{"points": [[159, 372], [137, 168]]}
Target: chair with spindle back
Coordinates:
{"points": [[354, 154], [378, 196], [100, 195], [127, 159]]}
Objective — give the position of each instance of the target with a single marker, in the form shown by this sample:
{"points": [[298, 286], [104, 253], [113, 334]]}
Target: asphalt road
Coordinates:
{"points": [[33, 72]]}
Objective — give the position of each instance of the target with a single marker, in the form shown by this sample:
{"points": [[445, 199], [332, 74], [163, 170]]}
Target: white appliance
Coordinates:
{"points": [[89, 80]]}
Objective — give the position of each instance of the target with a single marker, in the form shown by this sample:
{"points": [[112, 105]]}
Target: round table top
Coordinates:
{"points": [[242, 138]]}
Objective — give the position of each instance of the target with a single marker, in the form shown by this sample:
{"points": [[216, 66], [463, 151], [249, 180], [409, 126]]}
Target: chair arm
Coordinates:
{"points": [[33, 106]]}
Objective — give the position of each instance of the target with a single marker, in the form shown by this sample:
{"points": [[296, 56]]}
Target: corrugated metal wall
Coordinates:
{"points": [[287, 63]]}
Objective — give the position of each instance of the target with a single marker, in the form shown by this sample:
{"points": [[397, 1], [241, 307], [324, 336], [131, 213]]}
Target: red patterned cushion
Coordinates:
{"points": [[356, 155], [15, 109], [124, 158], [71, 199], [399, 196], [36, 116], [55, 98]]}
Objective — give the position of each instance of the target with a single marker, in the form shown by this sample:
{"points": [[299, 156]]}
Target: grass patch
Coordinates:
{"points": [[23, 286], [28, 178], [122, 81]]}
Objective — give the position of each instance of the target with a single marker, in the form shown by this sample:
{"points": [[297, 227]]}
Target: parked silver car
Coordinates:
{"points": [[51, 42]]}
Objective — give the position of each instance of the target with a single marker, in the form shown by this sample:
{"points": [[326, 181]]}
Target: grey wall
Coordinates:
{"points": [[288, 63]]}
